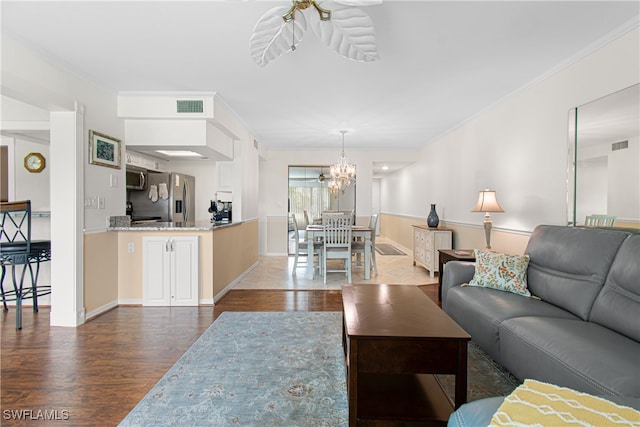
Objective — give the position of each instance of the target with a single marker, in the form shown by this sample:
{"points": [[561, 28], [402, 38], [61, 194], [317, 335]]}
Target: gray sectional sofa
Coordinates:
{"points": [[584, 330]]}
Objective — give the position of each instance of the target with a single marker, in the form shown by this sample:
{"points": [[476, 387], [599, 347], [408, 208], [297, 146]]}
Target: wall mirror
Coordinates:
{"points": [[604, 161]]}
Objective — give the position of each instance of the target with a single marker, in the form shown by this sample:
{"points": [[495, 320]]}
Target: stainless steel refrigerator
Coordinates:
{"points": [[167, 197]]}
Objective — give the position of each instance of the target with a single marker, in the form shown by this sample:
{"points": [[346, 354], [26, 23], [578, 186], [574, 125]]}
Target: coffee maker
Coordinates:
{"points": [[220, 211]]}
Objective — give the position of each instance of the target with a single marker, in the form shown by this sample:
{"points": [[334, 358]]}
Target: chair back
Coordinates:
{"points": [[15, 227], [600, 221], [306, 218], [296, 230], [373, 224], [337, 230]]}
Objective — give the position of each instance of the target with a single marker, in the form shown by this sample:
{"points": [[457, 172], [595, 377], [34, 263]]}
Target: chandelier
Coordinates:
{"points": [[342, 173], [339, 25]]}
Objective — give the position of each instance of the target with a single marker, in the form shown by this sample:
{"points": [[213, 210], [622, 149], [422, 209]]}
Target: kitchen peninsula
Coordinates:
{"points": [[211, 256]]}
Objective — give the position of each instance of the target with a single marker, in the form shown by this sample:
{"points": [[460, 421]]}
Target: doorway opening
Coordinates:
{"points": [[308, 192]]}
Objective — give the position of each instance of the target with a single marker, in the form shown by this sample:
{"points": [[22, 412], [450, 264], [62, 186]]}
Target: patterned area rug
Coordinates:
{"points": [[275, 369], [485, 378], [254, 369], [387, 249]]}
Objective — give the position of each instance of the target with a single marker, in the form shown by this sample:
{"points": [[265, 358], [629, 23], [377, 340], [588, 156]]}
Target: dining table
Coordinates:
{"points": [[315, 232]]}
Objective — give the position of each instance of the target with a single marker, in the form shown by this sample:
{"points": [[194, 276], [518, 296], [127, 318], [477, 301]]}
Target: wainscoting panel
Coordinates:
{"points": [[399, 229]]}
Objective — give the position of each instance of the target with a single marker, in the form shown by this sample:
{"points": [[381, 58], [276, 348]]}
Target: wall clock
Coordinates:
{"points": [[34, 162]]}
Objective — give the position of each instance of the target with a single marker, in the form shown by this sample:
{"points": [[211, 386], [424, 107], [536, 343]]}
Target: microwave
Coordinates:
{"points": [[136, 179]]}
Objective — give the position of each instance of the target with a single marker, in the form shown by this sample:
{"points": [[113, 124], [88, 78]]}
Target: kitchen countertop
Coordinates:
{"points": [[175, 226]]}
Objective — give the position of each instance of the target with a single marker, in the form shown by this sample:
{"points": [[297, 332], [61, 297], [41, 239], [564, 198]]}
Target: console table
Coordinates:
{"points": [[447, 255], [395, 339], [426, 243]]}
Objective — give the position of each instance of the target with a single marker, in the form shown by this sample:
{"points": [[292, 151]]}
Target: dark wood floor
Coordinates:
{"points": [[95, 374]]}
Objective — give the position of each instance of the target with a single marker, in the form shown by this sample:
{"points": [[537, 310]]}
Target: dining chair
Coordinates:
{"points": [[600, 221], [301, 249], [358, 246], [337, 242], [17, 249]]}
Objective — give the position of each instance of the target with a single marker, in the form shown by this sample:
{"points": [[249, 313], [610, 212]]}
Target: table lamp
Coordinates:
{"points": [[487, 202]]}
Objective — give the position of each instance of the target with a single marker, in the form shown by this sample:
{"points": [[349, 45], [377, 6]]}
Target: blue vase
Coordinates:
{"points": [[432, 219]]}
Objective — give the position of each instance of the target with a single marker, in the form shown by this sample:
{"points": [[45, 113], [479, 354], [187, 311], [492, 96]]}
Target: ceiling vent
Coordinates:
{"points": [[190, 106], [619, 145]]}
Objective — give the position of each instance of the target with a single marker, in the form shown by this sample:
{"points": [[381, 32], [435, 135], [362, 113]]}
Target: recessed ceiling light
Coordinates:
{"points": [[385, 167], [179, 153]]}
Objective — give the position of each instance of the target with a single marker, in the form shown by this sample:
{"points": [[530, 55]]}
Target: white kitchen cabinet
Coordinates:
{"points": [[132, 159], [170, 271], [426, 243], [154, 164], [225, 176]]}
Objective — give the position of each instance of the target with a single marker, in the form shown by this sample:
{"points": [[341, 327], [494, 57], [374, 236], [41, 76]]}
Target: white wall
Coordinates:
{"points": [[518, 147], [33, 79]]}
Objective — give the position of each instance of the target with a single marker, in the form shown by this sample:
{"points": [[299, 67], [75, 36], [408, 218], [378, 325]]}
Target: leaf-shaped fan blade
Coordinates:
{"points": [[272, 37], [349, 32], [358, 2]]}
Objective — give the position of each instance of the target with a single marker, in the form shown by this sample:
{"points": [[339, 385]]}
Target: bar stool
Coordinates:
{"points": [[17, 248]]}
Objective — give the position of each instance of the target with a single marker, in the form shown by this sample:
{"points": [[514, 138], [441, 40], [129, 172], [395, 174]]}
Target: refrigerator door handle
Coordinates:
{"points": [[185, 198]]}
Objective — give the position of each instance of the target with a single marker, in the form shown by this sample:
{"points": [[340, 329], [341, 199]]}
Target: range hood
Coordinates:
{"points": [[198, 123]]}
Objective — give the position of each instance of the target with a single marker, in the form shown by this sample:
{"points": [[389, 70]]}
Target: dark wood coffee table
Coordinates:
{"points": [[395, 339]]}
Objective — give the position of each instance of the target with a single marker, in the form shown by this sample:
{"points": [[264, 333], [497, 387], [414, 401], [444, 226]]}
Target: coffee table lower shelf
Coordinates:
{"points": [[402, 400]]}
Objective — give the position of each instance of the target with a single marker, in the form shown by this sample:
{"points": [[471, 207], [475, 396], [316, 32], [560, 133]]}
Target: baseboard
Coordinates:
{"points": [[101, 310], [130, 302], [227, 288]]}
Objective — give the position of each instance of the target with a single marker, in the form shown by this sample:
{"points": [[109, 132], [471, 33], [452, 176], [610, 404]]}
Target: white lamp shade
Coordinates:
{"points": [[487, 202]]}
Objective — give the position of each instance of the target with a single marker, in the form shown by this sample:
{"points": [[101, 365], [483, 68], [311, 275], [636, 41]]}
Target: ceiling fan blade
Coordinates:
{"points": [[349, 32], [272, 37]]}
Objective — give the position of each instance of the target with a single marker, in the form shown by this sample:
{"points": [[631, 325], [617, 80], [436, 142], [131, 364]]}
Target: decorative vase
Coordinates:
{"points": [[432, 219]]}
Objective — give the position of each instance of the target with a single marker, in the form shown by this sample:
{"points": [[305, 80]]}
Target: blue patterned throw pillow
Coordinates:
{"points": [[501, 271]]}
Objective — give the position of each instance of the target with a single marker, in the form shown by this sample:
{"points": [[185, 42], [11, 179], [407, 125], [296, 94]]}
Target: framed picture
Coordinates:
{"points": [[104, 150]]}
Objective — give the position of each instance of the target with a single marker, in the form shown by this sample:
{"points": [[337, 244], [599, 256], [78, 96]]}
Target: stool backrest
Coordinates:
{"points": [[15, 227]]}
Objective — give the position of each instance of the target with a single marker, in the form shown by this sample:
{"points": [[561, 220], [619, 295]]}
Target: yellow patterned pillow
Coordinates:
{"points": [[540, 404]]}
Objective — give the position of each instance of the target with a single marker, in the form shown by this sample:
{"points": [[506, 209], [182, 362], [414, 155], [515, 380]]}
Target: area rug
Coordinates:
{"points": [[275, 369], [254, 369], [485, 377], [387, 249]]}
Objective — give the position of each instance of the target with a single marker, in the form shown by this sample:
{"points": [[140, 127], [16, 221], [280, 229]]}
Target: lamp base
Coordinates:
{"points": [[488, 224]]}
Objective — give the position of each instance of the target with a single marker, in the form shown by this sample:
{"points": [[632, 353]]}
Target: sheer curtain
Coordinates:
{"points": [[313, 199]]}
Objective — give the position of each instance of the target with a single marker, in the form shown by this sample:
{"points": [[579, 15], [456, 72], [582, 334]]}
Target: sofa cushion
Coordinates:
{"points": [[568, 265], [476, 413], [539, 403], [580, 355], [480, 412], [480, 311], [501, 271], [618, 304]]}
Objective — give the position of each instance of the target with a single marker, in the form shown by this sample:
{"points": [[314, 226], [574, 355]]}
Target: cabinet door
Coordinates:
{"points": [[156, 271], [170, 271], [225, 176], [185, 280]]}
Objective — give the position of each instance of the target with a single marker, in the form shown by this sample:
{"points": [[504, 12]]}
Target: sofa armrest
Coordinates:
{"points": [[455, 274]]}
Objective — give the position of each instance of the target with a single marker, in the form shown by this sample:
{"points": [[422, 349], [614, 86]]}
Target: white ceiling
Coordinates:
{"points": [[441, 62]]}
